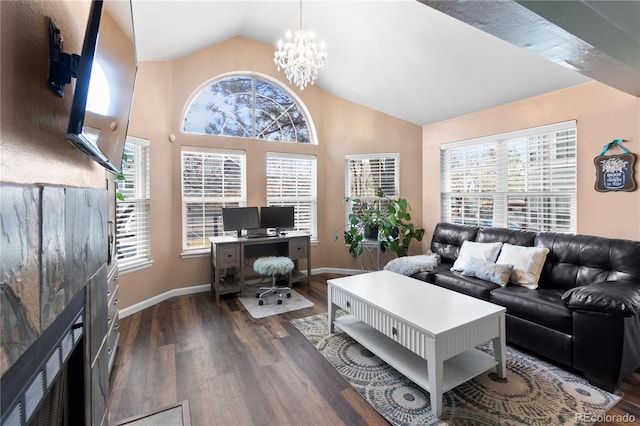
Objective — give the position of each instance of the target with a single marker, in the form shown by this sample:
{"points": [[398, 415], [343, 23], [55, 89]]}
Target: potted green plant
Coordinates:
{"points": [[364, 224], [391, 226], [396, 229]]}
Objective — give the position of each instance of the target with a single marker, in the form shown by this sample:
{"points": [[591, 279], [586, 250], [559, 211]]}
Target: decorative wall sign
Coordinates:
{"points": [[615, 172]]}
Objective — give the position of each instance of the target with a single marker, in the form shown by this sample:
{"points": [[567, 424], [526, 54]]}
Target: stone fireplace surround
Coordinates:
{"points": [[53, 282]]}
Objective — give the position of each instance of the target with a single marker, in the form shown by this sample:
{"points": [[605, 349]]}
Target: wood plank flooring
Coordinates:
{"points": [[237, 370]]}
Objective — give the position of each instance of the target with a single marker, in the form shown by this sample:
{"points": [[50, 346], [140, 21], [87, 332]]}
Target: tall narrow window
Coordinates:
{"points": [[518, 180], [365, 174], [132, 206], [291, 181], [249, 107], [211, 179]]}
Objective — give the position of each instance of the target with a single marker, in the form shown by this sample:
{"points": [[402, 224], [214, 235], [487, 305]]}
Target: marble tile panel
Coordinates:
{"points": [[19, 271], [53, 295]]}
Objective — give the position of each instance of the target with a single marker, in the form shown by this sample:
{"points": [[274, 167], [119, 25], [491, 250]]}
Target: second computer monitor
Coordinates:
{"points": [[240, 218], [279, 217]]}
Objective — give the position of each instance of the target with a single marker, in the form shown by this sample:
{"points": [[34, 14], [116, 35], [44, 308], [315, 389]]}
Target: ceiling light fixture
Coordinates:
{"points": [[301, 58]]}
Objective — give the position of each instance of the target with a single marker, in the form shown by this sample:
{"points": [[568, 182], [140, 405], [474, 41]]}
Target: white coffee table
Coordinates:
{"points": [[426, 332]]}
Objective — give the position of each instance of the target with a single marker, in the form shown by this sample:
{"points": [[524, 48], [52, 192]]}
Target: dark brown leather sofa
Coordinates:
{"points": [[585, 313]]}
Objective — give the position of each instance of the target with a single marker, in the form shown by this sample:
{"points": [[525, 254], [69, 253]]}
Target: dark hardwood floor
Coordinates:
{"points": [[237, 370]]}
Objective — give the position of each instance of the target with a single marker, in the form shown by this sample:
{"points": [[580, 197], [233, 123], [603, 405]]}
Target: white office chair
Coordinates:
{"points": [[272, 266]]}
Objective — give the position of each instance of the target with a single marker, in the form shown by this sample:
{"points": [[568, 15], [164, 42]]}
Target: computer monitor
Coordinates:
{"points": [[239, 218], [279, 217]]}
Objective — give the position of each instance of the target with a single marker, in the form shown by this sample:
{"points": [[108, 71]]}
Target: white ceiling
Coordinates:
{"points": [[399, 57]]}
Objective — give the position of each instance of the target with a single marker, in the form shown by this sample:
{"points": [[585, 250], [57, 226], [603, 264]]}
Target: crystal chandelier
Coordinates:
{"points": [[301, 58]]}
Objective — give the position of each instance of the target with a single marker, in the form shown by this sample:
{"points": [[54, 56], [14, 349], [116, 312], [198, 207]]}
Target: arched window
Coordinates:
{"points": [[248, 107]]}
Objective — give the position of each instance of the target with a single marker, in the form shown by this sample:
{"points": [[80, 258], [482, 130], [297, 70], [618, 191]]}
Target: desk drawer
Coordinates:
{"points": [[112, 309], [298, 248], [111, 286], [229, 256]]}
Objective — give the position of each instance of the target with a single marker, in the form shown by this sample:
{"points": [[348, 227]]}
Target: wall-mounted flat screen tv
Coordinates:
{"points": [[103, 94]]}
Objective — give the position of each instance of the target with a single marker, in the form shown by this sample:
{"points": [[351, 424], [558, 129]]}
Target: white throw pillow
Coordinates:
{"points": [[527, 263], [481, 251]]}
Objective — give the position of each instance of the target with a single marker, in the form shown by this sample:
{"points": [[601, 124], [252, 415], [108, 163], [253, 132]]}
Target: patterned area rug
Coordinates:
{"points": [[535, 393], [271, 306]]}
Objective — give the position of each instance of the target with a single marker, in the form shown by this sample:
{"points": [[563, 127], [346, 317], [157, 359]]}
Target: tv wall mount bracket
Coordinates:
{"points": [[62, 66]]}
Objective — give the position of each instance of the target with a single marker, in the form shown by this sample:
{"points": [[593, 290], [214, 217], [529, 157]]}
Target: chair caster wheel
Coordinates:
{"points": [[288, 295], [260, 302], [279, 301]]}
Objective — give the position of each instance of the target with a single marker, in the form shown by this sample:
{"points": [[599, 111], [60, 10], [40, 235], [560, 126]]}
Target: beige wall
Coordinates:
{"points": [[34, 120], [602, 114], [163, 90]]}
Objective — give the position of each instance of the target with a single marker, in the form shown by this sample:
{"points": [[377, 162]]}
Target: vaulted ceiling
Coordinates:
{"points": [[421, 61]]}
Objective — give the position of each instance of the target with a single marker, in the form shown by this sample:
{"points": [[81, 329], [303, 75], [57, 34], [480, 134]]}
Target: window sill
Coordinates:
{"points": [[122, 270], [195, 253]]}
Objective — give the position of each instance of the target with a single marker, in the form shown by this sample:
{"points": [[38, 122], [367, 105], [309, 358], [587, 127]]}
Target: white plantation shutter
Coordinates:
{"points": [[518, 180], [211, 179], [292, 181], [132, 213], [366, 173]]}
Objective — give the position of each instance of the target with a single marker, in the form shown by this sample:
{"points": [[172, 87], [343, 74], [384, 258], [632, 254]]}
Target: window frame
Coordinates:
{"points": [[535, 158], [142, 206], [313, 138], [313, 198], [372, 199], [240, 201]]}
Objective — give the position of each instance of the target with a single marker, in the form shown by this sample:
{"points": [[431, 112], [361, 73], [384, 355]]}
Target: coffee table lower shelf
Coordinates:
{"points": [[456, 370]]}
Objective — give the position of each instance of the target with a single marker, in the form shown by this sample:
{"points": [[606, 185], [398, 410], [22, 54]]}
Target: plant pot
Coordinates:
{"points": [[371, 233]]}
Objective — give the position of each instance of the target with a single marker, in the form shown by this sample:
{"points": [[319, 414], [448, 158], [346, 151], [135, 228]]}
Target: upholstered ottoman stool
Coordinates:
{"points": [[272, 266]]}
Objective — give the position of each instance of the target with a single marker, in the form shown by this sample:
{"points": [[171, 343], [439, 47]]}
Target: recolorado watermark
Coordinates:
{"points": [[608, 418]]}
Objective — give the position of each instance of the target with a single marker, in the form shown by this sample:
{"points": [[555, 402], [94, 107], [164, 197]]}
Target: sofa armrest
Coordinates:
{"points": [[613, 297]]}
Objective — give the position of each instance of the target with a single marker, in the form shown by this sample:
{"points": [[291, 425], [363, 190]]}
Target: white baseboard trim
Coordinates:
{"points": [[183, 291], [130, 310], [335, 271]]}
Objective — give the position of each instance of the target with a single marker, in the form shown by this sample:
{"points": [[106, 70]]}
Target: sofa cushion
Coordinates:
{"points": [[527, 263], [447, 239], [504, 235], [495, 272], [481, 251], [428, 276], [470, 286], [616, 297], [578, 260], [542, 306]]}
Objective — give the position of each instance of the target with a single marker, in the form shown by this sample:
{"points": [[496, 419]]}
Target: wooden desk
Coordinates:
{"points": [[237, 254]]}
